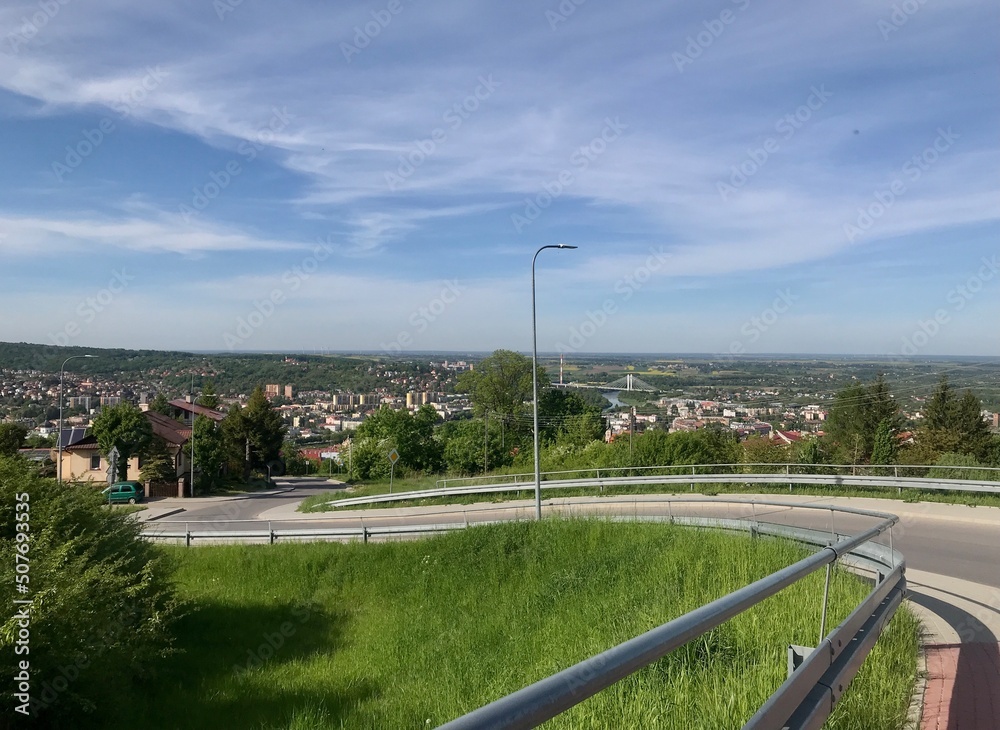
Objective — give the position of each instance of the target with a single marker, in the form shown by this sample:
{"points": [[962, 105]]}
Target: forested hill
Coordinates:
{"points": [[232, 373]]}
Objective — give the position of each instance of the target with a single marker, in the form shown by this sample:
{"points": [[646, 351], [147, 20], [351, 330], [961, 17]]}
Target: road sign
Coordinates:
{"points": [[393, 458], [113, 457]]}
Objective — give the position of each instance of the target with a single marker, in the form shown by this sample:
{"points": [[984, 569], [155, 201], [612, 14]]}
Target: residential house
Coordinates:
{"points": [[82, 460]]}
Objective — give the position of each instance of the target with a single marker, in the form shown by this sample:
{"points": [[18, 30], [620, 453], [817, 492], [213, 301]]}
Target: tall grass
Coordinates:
{"points": [[412, 634]]}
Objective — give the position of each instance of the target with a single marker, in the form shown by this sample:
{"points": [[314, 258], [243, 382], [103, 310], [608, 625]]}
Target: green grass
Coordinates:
{"points": [[412, 634]]}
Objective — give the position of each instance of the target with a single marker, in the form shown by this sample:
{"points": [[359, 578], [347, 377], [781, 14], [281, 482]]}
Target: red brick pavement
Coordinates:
{"points": [[963, 687]]}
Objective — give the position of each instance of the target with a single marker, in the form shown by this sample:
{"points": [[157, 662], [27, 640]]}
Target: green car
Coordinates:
{"points": [[130, 492]]}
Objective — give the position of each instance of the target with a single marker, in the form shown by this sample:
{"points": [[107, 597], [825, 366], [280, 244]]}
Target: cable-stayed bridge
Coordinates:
{"points": [[627, 383]]}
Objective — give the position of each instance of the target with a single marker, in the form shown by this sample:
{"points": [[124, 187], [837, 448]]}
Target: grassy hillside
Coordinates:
{"points": [[412, 634]]}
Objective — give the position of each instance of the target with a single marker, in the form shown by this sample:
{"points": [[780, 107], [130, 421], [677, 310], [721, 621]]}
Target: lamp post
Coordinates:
{"points": [[59, 438], [534, 378]]}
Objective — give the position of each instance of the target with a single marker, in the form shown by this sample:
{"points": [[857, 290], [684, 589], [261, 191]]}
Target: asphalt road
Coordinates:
{"points": [[966, 550]]}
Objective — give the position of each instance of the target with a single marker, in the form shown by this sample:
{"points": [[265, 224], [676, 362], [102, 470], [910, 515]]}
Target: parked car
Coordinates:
{"points": [[130, 492]]}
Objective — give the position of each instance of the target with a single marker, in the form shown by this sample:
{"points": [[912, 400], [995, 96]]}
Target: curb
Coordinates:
{"points": [[165, 514]]}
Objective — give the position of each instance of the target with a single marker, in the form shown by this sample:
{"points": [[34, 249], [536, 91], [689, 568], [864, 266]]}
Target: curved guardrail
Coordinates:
{"points": [[806, 698], [900, 483], [788, 468]]}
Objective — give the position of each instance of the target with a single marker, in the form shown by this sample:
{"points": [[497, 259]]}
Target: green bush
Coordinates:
{"points": [[102, 599]]}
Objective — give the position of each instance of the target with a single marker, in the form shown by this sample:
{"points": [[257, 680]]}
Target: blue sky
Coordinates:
{"points": [[739, 176]]}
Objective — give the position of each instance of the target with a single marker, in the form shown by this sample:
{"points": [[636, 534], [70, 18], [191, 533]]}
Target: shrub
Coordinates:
{"points": [[102, 601]]}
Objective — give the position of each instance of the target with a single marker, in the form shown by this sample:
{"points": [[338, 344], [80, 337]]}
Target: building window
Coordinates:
{"points": [[95, 462]]}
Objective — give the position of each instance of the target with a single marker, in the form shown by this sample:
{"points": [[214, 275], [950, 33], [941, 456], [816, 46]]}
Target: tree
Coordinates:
{"points": [[295, 463], [811, 451], [566, 418], [762, 450], [253, 435], [158, 465], [125, 428], [160, 404], [208, 398], [236, 434], [501, 385], [12, 437], [940, 408], [209, 453], [104, 604], [411, 435], [885, 448], [267, 428], [463, 443], [953, 424], [40, 442], [973, 431], [856, 414]]}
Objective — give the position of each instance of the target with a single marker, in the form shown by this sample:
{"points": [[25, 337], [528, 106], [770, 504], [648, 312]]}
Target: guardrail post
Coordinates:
{"points": [[797, 655], [187, 535], [270, 532], [364, 535], [895, 471], [826, 596]]}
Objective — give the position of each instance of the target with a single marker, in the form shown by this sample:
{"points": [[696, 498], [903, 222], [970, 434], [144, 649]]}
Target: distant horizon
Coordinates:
{"points": [[545, 354]]}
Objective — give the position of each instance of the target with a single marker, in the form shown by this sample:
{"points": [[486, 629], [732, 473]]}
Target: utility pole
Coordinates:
{"points": [[192, 434], [631, 433]]}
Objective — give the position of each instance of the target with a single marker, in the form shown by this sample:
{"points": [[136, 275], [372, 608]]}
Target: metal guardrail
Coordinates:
{"points": [[788, 468], [901, 483], [806, 698]]}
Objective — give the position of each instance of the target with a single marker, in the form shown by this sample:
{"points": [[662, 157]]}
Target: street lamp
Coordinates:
{"points": [[534, 378], [59, 437]]}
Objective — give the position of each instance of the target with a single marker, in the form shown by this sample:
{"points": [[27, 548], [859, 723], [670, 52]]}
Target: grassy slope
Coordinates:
{"points": [[413, 634]]}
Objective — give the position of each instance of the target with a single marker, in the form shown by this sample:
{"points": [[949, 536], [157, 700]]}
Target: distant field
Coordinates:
{"points": [[413, 634]]}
